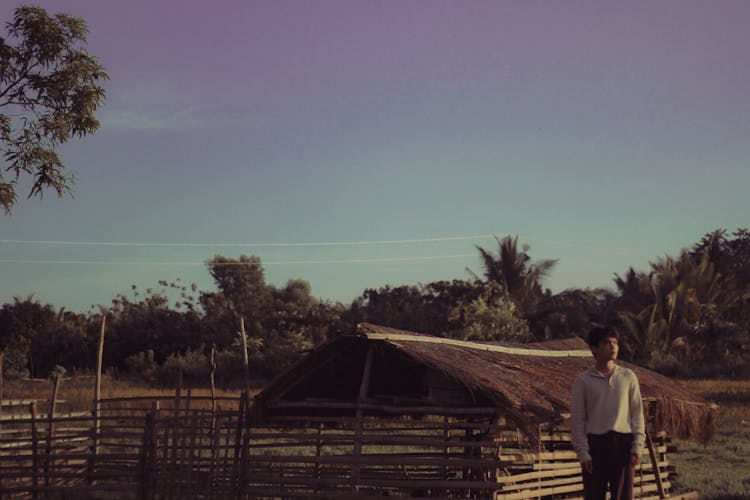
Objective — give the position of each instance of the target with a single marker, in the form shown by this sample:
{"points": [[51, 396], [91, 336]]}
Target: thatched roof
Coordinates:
{"points": [[529, 383]]}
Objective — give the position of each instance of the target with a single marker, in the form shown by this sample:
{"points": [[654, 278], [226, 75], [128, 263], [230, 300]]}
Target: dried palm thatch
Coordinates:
{"points": [[530, 384]]}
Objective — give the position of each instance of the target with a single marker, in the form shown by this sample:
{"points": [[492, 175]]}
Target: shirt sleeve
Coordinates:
{"points": [[637, 424], [578, 421]]}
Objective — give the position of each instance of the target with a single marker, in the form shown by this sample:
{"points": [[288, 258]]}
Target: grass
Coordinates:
{"points": [[720, 470], [77, 392]]}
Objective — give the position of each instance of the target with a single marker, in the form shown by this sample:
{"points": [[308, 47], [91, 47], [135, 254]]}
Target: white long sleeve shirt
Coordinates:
{"points": [[603, 403]]}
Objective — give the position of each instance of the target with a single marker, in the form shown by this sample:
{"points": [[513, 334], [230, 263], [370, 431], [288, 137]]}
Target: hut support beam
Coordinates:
{"points": [[363, 388]]}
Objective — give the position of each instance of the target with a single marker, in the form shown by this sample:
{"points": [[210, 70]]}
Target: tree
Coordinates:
{"points": [[685, 320], [489, 317], [520, 278], [49, 91], [514, 270]]}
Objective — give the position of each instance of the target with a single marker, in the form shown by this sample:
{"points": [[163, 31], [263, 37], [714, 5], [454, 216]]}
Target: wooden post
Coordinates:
{"points": [[171, 466], [245, 358], [446, 438], [51, 424], [196, 431], [213, 380], [215, 434], [188, 435], [245, 452], [238, 447], [98, 390], [1, 389], [214, 431], [363, 388], [150, 449], [34, 454], [655, 464], [1, 414]]}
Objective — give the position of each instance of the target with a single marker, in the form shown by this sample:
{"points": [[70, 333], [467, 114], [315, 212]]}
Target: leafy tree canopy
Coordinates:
{"points": [[49, 91]]}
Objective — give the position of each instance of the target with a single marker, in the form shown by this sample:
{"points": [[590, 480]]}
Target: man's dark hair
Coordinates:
{"points": [[600, 333]]}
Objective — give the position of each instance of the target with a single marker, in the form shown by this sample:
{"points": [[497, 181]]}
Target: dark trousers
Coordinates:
{"points": [[610, 454]]}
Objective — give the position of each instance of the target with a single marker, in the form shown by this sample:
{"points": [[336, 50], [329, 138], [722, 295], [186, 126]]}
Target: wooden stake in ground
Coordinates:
{"points": [[1, 388], [98, 387], [245, 359], [59, 371], [34, 453], [95, 438], [1, 413], [213, 381]]}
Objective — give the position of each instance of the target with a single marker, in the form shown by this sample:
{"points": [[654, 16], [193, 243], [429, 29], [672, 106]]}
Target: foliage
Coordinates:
{"points": [[515, 272], [147, 322], [688, 321], [49, 91], [521, 279], [685, 316], [190, 368], [489, 317], [142, 366]]}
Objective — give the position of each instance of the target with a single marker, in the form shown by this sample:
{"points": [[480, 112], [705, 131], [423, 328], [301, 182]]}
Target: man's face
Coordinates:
{"points": [[606, 349]]}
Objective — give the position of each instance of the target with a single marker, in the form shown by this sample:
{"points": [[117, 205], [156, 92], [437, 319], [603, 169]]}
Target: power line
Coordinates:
{"points": [[254, 245], [309, 244], [268, 263]]}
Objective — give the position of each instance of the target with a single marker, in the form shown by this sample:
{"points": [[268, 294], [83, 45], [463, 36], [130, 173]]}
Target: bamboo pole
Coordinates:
{"points": [[176, 431], [386, 408], [245, 450], [318, 452], [243, 438], [149, 454], [213, 380], [245, 358], [51, 424], [1, 388], [195, 432], [187, 443], [34, 454], [98, 395], [654, 461], [215, 434], [237, 448], [1, 414]]}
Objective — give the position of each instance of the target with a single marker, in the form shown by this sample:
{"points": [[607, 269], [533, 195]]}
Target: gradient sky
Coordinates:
{"points": [[604, 134]]}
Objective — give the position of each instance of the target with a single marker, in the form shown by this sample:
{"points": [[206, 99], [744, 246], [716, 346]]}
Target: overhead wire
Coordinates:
{"points": [[249, 245]]}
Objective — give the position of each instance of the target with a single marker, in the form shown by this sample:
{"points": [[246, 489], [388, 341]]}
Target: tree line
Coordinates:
{"points": [[688, 315]]}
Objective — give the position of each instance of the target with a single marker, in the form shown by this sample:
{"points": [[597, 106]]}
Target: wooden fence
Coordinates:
{"points": [[188, 447], [554, 470]]}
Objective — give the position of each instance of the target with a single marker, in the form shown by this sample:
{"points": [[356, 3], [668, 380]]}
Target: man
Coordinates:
{"points": [[608, 431]]}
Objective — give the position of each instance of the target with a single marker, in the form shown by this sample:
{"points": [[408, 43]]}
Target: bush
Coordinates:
{"points": [[192, 367], [142, 366]]}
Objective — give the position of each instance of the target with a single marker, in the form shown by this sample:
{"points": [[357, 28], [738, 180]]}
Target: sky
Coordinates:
{"points": [[355, 144]]}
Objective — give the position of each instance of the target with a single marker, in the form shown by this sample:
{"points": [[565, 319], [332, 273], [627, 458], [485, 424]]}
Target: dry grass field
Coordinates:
{"points": [[77, 392], [720, 470]]}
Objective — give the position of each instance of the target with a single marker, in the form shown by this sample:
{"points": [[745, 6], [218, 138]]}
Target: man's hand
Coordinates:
{"points": [[635, 459], [587, 467]]}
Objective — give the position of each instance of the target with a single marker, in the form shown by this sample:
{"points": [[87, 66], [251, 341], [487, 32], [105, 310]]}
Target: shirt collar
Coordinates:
{"points": [[594, 372]]}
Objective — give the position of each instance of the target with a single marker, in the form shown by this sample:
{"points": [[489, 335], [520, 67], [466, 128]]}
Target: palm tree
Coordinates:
{"points": [[683, 294], [512, 269]]}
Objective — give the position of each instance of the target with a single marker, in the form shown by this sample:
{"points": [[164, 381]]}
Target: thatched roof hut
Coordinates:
{"points": [[530, 383], [392, 412]]}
